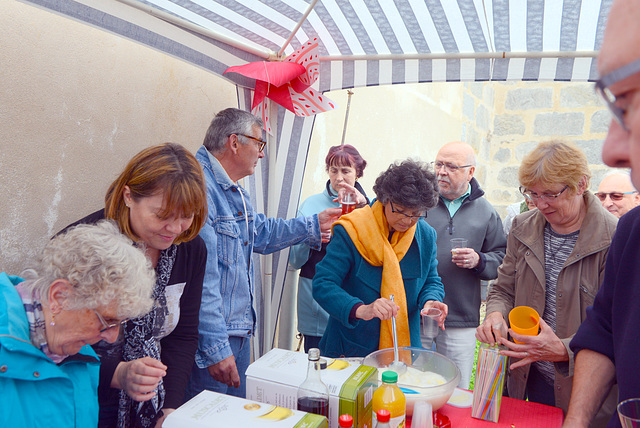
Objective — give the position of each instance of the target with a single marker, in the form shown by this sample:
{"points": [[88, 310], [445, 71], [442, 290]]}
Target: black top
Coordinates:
{"points": [[178, 348]]}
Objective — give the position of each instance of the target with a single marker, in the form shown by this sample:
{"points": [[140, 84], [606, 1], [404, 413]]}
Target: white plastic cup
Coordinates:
{"points": [[422, 415]]}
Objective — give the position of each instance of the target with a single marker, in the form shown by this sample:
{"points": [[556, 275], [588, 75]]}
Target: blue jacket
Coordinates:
{"points": [[343, 278], [35, 391], [231, 238]]}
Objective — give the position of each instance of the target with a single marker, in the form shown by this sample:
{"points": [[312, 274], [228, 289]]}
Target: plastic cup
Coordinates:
{"points": [[422, 415], [458, 243], [629, 413], [348, 203], [524, 320], [429, 327]]}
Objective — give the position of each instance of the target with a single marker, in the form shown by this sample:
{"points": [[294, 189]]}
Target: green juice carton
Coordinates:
{"points": [[212, 410], [274, 378]]}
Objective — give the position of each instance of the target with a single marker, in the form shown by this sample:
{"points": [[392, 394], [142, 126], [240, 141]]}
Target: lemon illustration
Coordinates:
{"points": [[277, 414], [338, 365]]}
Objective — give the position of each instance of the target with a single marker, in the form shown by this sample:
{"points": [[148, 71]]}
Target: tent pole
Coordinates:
{"points": [[183, 23], [346, 116], [297, 27], [463, 55]]}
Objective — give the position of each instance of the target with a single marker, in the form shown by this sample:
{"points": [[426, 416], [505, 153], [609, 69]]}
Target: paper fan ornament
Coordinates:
{"points": [[288, 83]]}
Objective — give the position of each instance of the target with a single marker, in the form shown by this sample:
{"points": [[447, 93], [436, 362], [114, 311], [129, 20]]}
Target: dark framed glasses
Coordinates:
{"points": [[603, 84], [615, 196], [410, 217], [260, 141], [547, 197], [448, 166]]}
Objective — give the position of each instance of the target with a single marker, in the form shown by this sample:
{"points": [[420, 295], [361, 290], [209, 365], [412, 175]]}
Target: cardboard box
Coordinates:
{"points": [[213, 410], [276, 376]]}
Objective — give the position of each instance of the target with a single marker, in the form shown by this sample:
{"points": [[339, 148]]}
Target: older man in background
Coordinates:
{"points": [[463, 212], [617, 194], [606, 344], [233, 231]]}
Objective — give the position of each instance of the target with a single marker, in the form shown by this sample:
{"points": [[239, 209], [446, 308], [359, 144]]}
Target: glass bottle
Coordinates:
{"points": [[389, 396], [313, 394]]}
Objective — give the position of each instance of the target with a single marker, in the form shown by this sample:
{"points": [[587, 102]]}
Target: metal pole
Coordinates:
{"points": [[346, 116]]}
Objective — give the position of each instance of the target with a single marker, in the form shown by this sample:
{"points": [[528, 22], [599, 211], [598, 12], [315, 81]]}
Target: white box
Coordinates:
{"points": [[276, 376], [213, 410]]}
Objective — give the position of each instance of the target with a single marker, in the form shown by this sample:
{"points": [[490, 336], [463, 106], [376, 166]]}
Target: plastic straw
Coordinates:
{"points": [[490, 374]]}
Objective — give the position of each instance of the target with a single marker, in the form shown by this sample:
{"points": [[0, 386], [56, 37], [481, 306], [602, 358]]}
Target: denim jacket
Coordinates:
{"points": [[227, 295]]}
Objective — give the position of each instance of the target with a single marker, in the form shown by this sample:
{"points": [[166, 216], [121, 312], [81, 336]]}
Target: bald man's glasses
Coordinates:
{"points": [[615, 196], [605, 82], [448, 166]]}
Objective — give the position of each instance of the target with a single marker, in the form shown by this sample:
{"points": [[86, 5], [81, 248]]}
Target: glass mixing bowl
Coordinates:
{"points": [[424, 360]]}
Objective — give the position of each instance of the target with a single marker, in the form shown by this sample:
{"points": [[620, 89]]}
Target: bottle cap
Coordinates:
{"points": [[383, 415], [314, 354], [389, 376], [345, 421], [323, 363]]}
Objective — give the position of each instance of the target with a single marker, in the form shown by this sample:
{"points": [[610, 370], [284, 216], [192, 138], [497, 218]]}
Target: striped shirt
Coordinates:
{"points": [[557, 248]]}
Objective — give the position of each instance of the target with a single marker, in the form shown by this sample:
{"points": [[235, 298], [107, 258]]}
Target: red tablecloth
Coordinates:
{"points": [[513, 414]]}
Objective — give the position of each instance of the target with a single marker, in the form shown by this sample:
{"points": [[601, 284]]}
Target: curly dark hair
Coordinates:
{"points": [[409, 183]]}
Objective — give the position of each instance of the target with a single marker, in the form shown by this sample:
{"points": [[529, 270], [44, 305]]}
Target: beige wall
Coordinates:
{"points": [[75, 104]]}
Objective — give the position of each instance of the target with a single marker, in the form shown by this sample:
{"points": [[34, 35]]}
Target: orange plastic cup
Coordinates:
{"points": [[524, 320]]}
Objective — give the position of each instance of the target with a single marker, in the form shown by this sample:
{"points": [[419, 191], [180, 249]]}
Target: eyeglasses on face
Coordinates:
{"points": [[615, 196], [410, 217], [105, 325], [448, 166], [260, 141], [546, 197], [605, 82]]}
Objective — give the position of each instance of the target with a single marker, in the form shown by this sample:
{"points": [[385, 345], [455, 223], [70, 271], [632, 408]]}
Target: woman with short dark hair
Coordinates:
{"points": [[378, 251]]}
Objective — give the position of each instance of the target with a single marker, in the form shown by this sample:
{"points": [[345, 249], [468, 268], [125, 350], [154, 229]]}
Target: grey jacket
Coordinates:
{"points": [[478, 222]]}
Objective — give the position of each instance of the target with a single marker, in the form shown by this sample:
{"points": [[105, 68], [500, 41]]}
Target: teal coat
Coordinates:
{"points": [[343, 279], [34, 391]]}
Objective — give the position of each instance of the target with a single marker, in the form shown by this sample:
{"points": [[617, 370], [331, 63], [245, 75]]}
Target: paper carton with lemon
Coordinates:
{"points": [[275, 377], [210, 409]]}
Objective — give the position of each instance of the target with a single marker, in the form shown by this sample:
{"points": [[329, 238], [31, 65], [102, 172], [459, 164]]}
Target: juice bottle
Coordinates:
{"points": [[388, 396]]}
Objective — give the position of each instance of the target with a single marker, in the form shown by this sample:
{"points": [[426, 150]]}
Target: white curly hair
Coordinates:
{"points": [[102, 265]]}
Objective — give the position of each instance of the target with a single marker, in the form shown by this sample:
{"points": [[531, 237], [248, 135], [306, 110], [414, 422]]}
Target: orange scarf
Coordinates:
{"points": [[368, 229]]}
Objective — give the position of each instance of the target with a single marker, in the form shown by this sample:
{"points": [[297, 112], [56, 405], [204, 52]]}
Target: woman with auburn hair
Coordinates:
{"points": [[555, 264], [344, 166], [159, 201]]}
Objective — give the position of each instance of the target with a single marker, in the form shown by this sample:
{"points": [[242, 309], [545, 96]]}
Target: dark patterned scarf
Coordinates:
{"points": [[140, 341]]}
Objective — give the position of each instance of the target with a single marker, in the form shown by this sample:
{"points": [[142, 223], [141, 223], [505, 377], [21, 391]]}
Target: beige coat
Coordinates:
{"points": [[521, 281]]}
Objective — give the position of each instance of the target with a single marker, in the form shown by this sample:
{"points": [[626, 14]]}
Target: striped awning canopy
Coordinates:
{"points": [[367, 42]]}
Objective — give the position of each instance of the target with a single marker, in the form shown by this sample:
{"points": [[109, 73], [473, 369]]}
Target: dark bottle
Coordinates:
{"points": [[313, 395]]}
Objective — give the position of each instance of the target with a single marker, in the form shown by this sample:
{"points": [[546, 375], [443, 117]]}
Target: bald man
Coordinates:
{"points": [[463, 212], [617, 194]]}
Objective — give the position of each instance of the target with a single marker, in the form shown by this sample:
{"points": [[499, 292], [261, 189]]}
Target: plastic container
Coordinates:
{"points": [[389, 396], [524, 320], [313, 394], [424, 360], [382, 418]]}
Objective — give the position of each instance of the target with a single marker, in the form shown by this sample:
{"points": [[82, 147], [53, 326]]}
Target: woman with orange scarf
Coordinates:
{"points": [[377, 251]]}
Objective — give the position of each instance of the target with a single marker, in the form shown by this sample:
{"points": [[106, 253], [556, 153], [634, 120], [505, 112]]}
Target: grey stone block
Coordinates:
{"points": [[508, 124], [600, 121], [502, 155], [528, 99], [592, 149], [524, 148], [579, 96], [555, 124], [482, 117], [468, 106], [508, 176]]}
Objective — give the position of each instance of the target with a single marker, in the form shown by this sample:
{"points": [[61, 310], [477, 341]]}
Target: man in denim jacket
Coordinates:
{"points": [[233, 231]]}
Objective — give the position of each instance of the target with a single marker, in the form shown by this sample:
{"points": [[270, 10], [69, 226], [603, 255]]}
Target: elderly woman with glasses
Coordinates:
{"points": [[87, 282], [555, 264], [376, 252]]}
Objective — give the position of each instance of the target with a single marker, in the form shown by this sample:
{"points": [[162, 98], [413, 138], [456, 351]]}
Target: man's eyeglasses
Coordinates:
{"points": [[105, 325], [603, 84], [547, 197], [260, 141], [615, 196], [448, 166], [410, 217]]}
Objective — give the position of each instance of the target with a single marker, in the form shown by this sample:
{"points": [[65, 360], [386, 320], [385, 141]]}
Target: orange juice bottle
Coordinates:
{"points": [[388, 396]]}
